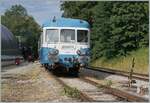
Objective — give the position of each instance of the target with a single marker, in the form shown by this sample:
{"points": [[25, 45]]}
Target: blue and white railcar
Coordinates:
{"points": [[65, 42]]}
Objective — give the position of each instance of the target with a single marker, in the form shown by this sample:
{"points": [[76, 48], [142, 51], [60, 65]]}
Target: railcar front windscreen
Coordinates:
{"points": [[52, 35], [82, 36], [67, 35]]}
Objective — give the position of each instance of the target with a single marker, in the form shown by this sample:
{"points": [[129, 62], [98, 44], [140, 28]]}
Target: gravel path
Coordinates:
{"points": [[31, 83]]}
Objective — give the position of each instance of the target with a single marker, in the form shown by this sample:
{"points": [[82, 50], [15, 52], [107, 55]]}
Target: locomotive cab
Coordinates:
{"points": [[65, 42]]}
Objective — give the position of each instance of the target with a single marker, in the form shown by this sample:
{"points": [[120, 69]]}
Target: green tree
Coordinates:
{"points": [[117, 27], [101, 43], [129, 26], [120, 26], [21, 24], [79, 10]]}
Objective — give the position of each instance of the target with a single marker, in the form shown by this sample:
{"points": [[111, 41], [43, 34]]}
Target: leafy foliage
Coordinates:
{"points": [[80, 10], [21, 24], [71, 92], [117, 27]]}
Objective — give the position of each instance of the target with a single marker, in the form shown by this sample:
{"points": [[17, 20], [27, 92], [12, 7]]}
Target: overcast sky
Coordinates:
{"points": [[41, 10]]}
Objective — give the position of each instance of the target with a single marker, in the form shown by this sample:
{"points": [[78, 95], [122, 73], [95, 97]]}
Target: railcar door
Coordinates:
{"points": [[67, 41]]}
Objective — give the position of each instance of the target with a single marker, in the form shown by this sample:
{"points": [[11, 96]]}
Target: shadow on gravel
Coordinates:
{"points": [[12, 66], [95, 74], [61, 72]]}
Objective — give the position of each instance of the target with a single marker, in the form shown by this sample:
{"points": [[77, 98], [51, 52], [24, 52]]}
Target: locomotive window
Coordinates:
{"points": [[52, 35], [82, 36], [67, 35]]}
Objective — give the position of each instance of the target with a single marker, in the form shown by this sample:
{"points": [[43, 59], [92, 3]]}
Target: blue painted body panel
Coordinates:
{"points": [[67, 63], [44, 57], [66, 22]]}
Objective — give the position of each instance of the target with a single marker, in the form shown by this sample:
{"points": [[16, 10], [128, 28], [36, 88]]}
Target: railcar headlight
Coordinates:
{"points": [[78, 52], [54, 52], [88, 53], [81, 53]]}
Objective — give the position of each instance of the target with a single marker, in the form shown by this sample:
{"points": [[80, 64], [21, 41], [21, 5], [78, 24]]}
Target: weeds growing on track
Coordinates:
{"points": [[71, 92], [108, 83]]}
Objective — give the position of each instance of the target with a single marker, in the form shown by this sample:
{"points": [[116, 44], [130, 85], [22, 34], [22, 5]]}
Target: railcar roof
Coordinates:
{"points": [[66, 22], [9, 44]]}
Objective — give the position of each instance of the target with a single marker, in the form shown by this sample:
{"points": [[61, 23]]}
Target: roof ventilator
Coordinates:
{"points": [[81, 21], [54, 19]]}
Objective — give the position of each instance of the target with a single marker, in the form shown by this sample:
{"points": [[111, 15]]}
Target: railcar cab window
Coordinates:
{"points": [[52, 35], [82, 36], [67, 35]]}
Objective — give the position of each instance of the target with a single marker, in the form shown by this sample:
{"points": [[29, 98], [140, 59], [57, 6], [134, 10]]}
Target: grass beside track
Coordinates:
{"points": [[71, 92], [124, 63]]}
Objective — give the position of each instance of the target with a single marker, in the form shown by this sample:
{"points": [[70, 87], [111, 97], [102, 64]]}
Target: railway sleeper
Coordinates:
{"points": [[119, 93]]}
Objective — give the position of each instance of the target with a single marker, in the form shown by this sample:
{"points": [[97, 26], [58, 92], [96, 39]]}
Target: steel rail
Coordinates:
{"points": [[83, 96], [143, 77], [122, 95], [116, 92]]}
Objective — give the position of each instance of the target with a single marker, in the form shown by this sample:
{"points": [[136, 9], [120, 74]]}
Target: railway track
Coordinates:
{"points": [[95, 95], [89, 91], [83, 96], [143, 77], [119, 93]]}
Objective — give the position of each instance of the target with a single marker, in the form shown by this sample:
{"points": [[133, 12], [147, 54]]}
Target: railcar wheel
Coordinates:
{"points": [[46, 66], [50, 67], [73, 72]]}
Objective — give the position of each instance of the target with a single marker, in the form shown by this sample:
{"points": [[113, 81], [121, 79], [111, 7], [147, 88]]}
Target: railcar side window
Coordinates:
{"points": [[82, 36], [52, 35], [67, 35]]}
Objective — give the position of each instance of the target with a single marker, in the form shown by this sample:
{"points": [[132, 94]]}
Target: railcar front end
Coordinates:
{"points": [[65, 43]]}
